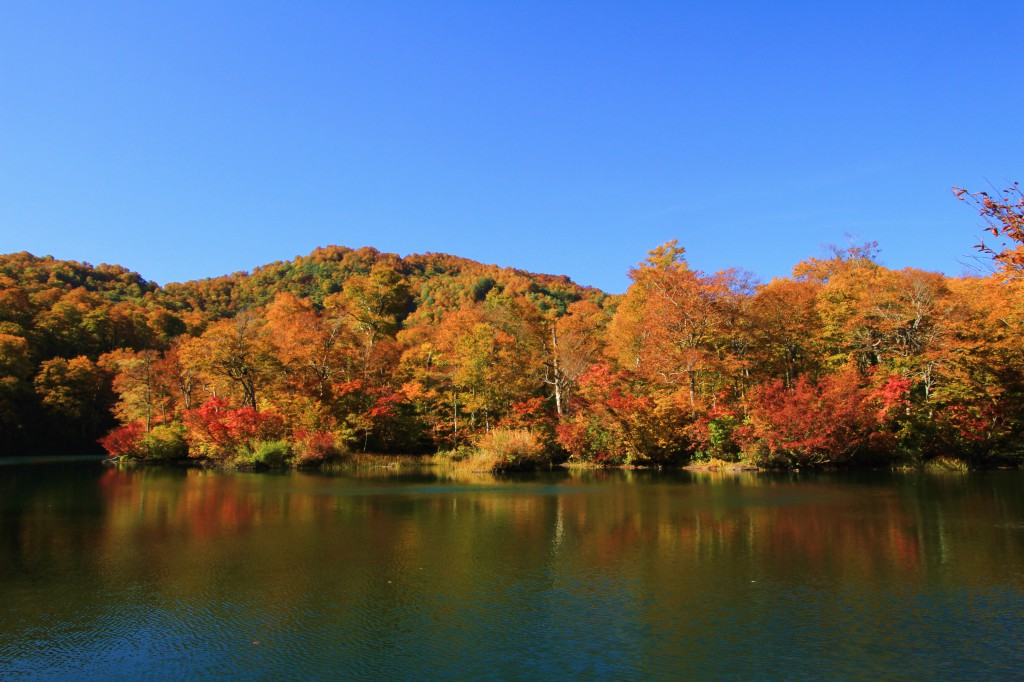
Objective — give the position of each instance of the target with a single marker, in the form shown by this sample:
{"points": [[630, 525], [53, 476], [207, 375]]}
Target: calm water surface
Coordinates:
{"points": [[184, 574]]}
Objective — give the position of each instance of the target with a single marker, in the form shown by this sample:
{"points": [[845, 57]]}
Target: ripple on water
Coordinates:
{"points": [[281, 578]]}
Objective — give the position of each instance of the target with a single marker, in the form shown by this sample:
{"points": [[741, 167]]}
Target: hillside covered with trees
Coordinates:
{"points": [[844, 362]]}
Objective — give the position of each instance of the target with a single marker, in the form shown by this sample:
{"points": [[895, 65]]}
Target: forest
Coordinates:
{"points": [[844, 363]]}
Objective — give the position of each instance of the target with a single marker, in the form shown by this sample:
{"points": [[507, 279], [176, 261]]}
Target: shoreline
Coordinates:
{"points": [[370, 461]]}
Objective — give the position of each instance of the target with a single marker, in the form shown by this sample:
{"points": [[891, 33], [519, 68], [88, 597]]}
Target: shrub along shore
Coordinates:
{"points": [[498, 451]]}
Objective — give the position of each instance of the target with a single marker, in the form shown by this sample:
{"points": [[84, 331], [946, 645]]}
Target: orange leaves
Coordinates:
{"points": [[407, 352], [1004, 217], [236, 353], [414, 390], [681, 329]]}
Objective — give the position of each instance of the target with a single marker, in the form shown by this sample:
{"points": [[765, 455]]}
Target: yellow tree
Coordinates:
{"points": [[372, 305], [668, 327], [984, 374], [573, 344], [15, 374], [137, 382], [847, 282], [784, 324], [316, 349], [236, 352], [915, 317], [180, 378], [75, 390]]}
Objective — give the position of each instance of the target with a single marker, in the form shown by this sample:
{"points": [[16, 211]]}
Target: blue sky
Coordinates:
{"points": [[193, 139]]}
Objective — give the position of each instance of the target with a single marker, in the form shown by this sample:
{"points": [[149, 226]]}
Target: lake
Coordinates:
{"points": [[175, 574]]}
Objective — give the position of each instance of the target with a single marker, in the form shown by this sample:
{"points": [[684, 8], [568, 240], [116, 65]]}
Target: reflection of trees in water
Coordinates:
{"points": [[903, 524], [190, 534], [40, 506], [49, 518]]}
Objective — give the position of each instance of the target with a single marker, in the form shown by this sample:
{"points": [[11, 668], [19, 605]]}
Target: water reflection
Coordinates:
{"points": [[199, 573]]}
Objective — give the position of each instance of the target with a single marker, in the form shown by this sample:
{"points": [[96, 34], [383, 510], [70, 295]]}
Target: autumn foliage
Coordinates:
{"points": [[846, 362], [831, 420], [217, 431], [125, 441], [1003, 213]]}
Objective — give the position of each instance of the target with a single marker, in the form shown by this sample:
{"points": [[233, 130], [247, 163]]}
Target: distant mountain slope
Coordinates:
{"points": [[434, 278]]}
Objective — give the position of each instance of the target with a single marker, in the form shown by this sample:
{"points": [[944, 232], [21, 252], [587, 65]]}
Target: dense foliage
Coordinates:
{"points": [[845, 362]]}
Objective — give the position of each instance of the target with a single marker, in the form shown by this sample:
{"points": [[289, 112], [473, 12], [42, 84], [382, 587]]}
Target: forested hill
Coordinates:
{"points": [[58, 318], [846, 362], [435, 282]]}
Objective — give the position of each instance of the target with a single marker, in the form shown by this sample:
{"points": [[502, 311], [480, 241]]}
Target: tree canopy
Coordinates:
{"points": [[847, 361]]}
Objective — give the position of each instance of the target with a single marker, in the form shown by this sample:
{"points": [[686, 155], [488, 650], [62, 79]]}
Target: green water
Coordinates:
{"points": [[184, 574]]}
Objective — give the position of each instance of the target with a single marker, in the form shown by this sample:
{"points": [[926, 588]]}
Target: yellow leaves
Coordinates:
{"points": [[14, 356], [667, 256], [237, 353], [69, 387]]}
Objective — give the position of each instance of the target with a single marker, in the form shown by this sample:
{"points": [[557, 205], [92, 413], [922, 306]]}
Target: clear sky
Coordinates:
{"points": [[193, 139]]}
